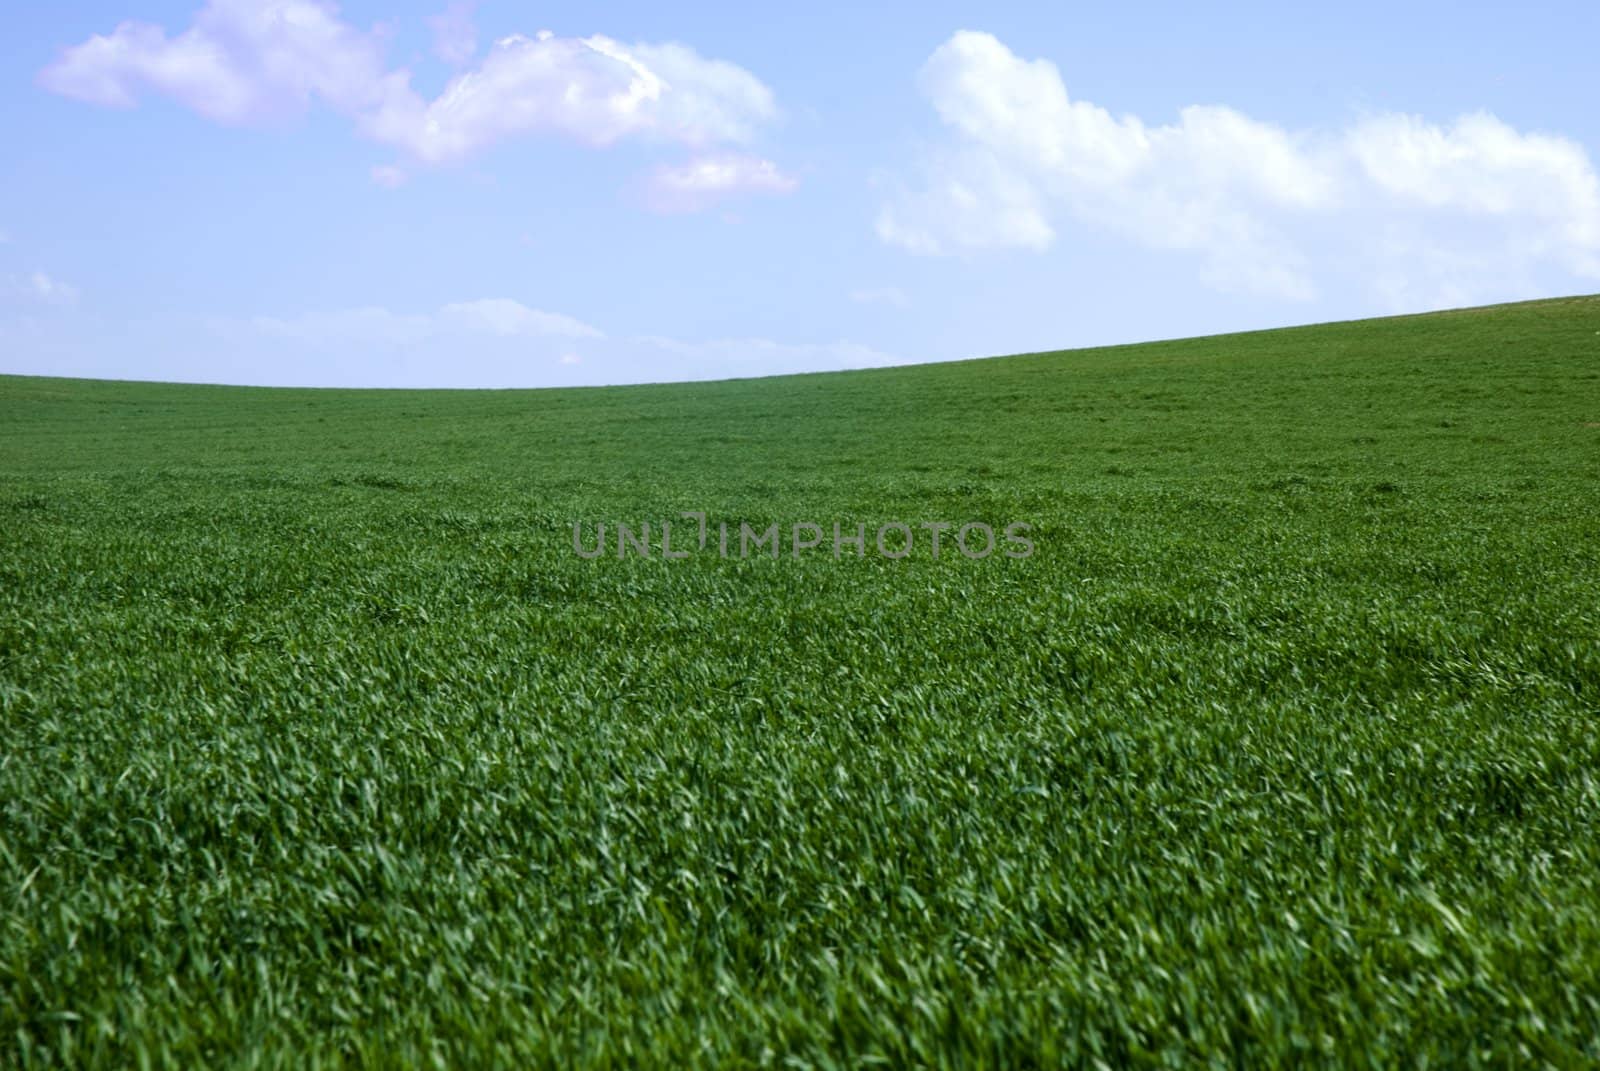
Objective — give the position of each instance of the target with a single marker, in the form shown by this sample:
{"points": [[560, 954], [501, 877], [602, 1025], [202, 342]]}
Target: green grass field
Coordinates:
{"points": [[321, 745]]}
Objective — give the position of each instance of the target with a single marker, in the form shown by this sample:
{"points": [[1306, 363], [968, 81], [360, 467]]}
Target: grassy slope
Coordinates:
{"points": [[319, 742]]}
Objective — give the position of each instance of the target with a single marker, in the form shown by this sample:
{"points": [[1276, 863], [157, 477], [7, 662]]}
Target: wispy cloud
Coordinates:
{"points": [[496, 343], [376, 325], [40, 287], [455, 37], [883, 295], [704, 181], [389, 177], [508, 319]]}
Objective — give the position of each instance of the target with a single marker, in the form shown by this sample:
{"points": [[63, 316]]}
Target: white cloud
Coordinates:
{"points": [[1482, 167], [593, 90], [389, 177], [242, 61], [705, 180], [971, 202], [455, 38], [52, 290], [737, 357], [375, 325], [494, 343], [1022, 159], [367, 325], [249, 61], [508, 319], [40, 287], [884, 295]]}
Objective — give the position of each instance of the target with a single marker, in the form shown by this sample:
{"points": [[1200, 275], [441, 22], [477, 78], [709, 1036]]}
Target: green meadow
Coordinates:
{"points": [[320, 745]]}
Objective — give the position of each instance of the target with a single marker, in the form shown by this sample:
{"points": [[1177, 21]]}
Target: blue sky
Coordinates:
{"points": [[499, 194]]}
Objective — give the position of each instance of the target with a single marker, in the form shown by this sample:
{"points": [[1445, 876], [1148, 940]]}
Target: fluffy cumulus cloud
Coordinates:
{"points": [[1544, 186], [1021, 159], [495, 342], [705, 180], [242, 61], [592, 89], [251, 61]]}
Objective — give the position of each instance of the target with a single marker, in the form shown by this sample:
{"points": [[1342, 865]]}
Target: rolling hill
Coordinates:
{"points": [[323, 745]]}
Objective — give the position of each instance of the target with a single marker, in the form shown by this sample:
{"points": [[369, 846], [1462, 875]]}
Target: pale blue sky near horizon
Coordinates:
{"points": [[252, 192]]}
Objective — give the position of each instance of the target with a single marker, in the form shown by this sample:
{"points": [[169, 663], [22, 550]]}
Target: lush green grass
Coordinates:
{"points": [[321, 745]]}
